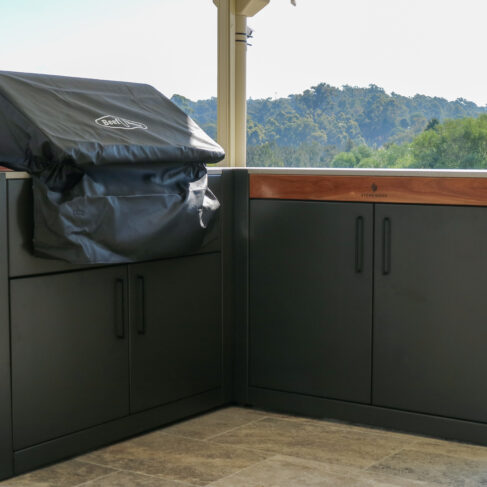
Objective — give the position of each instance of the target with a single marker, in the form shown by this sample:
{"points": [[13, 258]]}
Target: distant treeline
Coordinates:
{"points": [[454, 144], [350, 126]]}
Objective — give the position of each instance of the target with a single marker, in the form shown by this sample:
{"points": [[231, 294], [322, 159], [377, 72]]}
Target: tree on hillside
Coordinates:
{"points": [[454, 144], [432, 124]]}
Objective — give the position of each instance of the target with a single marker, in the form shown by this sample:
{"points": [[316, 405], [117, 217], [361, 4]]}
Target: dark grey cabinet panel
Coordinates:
{"points": [[175, 329], [6, 456], [430, 327], [23, 262], [311, 298], [69, 352]]}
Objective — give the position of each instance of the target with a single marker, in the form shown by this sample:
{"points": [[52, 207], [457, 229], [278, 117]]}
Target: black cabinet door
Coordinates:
{"points": [[311, 298], [430, 328], [175, 329], [69, 352]]}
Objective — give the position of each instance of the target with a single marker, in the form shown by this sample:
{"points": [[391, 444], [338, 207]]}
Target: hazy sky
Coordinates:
{"points": [[433, 47]]}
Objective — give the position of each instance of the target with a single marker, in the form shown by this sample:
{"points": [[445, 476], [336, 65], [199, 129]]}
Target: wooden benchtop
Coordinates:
{"points": [[371, 188]]}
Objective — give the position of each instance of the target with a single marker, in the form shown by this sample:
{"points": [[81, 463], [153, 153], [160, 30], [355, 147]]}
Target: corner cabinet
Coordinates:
{"points": [[311, 298], [175, 329], [379, 306], [430, 313]]}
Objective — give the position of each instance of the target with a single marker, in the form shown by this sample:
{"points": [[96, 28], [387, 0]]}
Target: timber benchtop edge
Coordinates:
{"points": [[468, 189], [432, 173]]}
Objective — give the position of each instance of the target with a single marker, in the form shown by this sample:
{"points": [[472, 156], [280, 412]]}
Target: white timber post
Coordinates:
{"points": [[240, 91], [226, 80], [232, 77]]}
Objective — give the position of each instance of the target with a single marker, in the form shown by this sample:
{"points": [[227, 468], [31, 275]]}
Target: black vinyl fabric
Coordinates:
{"points": [[118, 170]]}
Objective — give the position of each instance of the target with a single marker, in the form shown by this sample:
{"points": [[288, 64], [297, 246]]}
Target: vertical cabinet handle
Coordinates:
{"points": [[359, 244], [386, 246], [119, 308], [140, 312]]}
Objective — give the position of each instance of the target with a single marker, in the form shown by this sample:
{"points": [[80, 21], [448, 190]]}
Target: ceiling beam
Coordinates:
{"points": [[250, 7], [247, 7]]}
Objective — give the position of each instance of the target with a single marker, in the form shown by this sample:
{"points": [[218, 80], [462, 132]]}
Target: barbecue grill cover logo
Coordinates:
{"points": [[112, 122]]}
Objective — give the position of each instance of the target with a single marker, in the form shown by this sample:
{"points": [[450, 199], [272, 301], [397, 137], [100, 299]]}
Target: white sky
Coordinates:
{"points": [[433, 47]]}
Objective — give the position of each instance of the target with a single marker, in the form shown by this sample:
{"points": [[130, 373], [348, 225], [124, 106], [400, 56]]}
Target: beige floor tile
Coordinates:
{"points": [[408, 437], [321, 442], [65, 474], [130, 479], [281, 471], [434, 467], [177, 458], [215, 423], [290, 417], [456, 449]]}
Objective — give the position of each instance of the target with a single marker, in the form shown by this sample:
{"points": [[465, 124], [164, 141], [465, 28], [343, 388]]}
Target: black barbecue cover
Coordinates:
{"points": [[118, 170]]}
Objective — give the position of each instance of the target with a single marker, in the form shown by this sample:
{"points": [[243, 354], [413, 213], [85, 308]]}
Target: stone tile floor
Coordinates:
{"points": [[237, 447]]}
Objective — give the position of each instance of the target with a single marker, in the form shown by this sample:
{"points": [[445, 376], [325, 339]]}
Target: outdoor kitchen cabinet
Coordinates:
{"points": [[96, 354], [70, 343], [413, 332], [430, 313], [175, 329], [311, 298], [69, 352]]}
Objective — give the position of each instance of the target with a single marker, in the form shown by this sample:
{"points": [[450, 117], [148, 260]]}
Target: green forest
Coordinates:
{"points": [[357, 127]]}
